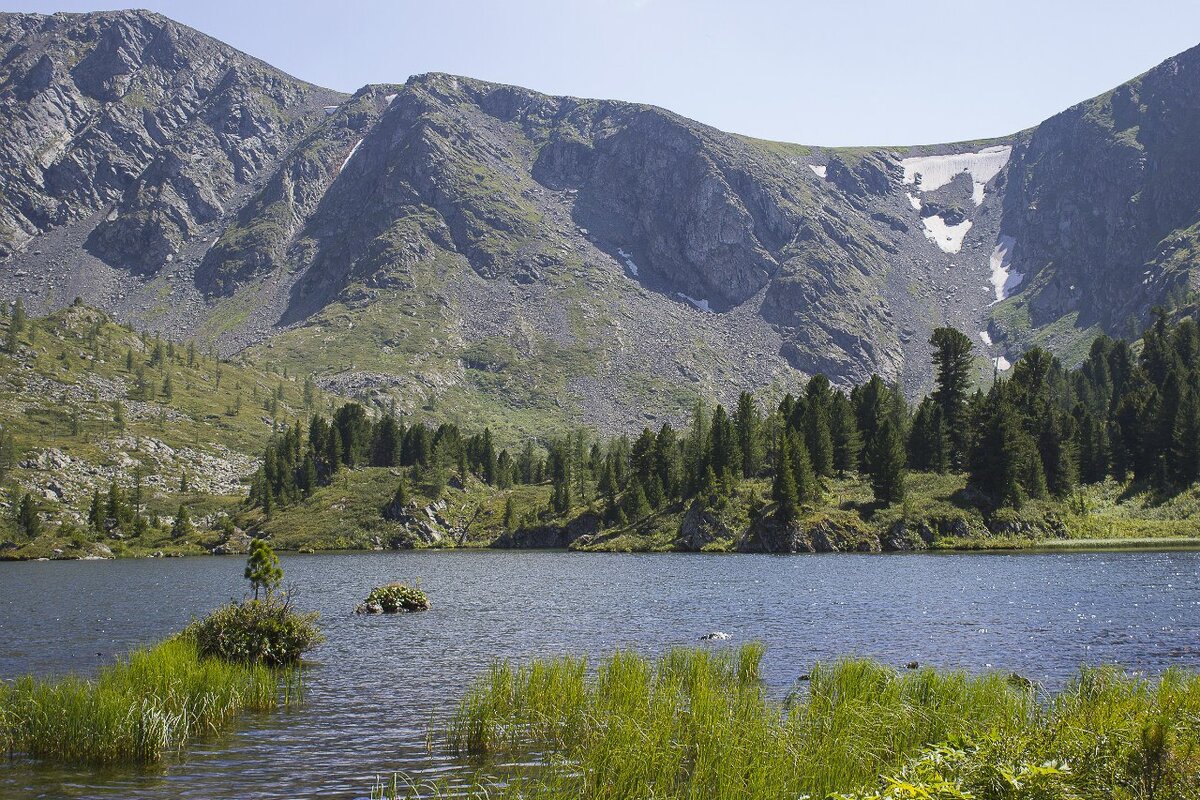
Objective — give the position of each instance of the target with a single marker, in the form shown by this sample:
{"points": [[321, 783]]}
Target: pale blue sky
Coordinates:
{"points": [[834, 72]]}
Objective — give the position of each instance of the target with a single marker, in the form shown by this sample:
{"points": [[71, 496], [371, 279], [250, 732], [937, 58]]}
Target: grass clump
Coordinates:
{"points": [[135, 711], [393, 598], [698, 724]]}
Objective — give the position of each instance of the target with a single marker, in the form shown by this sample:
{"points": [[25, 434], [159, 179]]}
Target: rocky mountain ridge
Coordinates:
{"points": [[448, 244]]}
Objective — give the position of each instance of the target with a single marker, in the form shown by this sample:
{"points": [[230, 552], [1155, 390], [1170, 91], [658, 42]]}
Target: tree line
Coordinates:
{"points": [[1127, 412]]}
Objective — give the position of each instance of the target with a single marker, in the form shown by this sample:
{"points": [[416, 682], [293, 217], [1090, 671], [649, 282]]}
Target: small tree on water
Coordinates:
{"points": [[262, 568]]}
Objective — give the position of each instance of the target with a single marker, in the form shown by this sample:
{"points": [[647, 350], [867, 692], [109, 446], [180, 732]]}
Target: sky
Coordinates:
{"points": [[823, 72]]}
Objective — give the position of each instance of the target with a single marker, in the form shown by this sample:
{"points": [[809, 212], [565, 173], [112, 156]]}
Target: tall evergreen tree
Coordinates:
{"points": [[952, 380], [818, 438], [783, 488], [748, 422], [888, 458], [843, 430]]}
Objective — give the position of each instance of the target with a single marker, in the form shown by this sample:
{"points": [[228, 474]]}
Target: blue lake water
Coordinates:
{"points": [[382, 686]]}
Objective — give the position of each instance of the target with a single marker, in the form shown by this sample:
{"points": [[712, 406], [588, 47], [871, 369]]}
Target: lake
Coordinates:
{"points": [[381, 683]]}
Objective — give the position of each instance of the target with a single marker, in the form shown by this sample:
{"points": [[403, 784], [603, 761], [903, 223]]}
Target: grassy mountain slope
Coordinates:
{"points": [[86, 403]]}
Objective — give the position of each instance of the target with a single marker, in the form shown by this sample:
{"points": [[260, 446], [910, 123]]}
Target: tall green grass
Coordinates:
{"points": [[135, 711], [697, 724]]}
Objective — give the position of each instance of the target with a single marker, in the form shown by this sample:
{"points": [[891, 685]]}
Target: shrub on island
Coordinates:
{"points": [[393, 598], [263, 630]]}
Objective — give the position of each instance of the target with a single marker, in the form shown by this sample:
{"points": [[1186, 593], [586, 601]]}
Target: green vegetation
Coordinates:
{"points": [[137, 710], [393, 598], [266, 631], [697, 723], [126, 443], [1109, 449], [256, 632]]}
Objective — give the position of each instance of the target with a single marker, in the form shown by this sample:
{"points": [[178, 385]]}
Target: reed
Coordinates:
{"points": [[698, 724], [135, 711]]}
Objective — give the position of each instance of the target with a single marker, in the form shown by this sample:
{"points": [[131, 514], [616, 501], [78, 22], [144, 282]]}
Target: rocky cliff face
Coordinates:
{"points": [[1103, 202], [153, 125], [456, 245]]}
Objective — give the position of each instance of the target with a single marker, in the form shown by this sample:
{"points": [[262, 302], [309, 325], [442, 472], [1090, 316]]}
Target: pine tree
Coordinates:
{"points": [[262, 568], [560, 497], [511, 524], [634, 503], [18, 321], [783, 489], [748, 423], [724, 453], [888, 474], [952, 380], [488, 458], [183, 523], [1094, 454], [843, 430], [1060, 459], [1184, 453], [8, 452], [1005, 464], [96, 513], [819, 439], [29, 521]]}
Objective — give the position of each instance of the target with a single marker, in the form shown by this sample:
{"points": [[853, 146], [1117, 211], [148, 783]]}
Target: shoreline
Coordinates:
{"points": [[1086, 545]]}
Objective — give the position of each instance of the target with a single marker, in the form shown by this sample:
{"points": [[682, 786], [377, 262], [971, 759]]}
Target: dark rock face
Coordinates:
{"points": [[1103, 200], [141, 160], [700, 527], [138, 117], [768, 534]]}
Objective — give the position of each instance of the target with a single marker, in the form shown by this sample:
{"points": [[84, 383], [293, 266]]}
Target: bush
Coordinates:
{"points": [[257, 632], [393, 598]]}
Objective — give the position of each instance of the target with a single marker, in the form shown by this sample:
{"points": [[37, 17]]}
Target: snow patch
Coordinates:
{"points": [[1004, 280], [1002, 364], [818, 169], [330, 110], [947, 237], [986, 338], [388, 98], [353, 150], [629, 265], [700, 304], [913, 201], [934, 172]]}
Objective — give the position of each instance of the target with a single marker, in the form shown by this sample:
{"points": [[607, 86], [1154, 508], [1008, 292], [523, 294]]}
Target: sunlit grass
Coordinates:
{"points": [[137, 710], [698, 724]]}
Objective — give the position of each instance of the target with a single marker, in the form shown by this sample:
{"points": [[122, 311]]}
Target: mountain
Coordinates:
{"points": [[458, 247]]}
